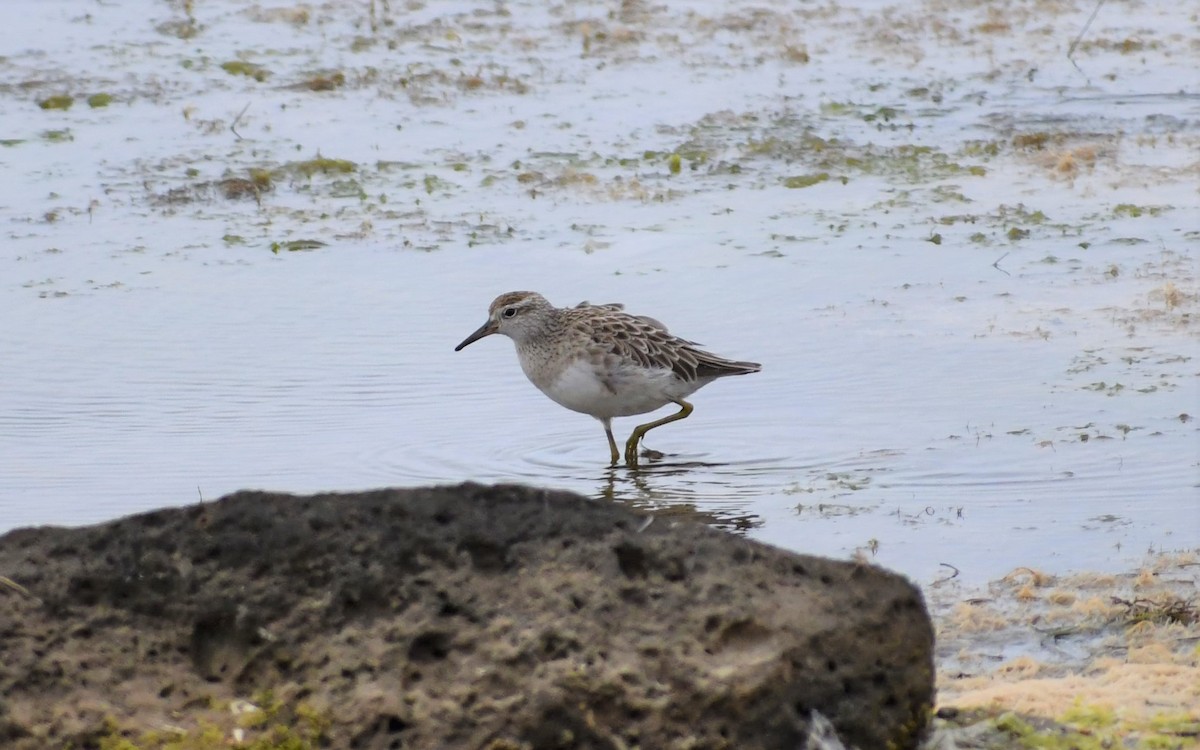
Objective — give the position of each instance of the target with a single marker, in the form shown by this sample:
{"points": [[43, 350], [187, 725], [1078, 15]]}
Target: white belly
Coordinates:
{"points": [[631, 390]]}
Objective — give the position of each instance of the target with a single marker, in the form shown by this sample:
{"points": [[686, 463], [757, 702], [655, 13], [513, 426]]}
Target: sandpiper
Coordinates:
{"points": [[602, 361]]}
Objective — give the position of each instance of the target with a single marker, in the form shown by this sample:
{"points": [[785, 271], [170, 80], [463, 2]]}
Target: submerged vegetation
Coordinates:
{"points": [[248, 69], [1115, 639], [320, 165], [834, 126], [59, 101]]}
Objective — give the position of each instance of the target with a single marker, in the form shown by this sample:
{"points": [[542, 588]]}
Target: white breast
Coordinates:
{"points": [[620, 393]]}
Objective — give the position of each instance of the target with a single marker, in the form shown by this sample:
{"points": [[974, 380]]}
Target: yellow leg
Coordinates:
{"points": [[612, 442], [631, 447]]}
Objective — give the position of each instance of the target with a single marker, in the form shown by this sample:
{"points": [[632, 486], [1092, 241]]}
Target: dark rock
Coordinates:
{"points": [[467, 617]]}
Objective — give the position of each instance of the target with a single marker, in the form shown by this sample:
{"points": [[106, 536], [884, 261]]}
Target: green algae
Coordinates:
{"points": [[60, 101], [267, 723], [248, 69], [321, 165], [295, 246], [807, 180]]}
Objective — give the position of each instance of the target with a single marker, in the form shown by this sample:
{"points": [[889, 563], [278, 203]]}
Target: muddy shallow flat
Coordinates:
{"points": [[240, 242]]}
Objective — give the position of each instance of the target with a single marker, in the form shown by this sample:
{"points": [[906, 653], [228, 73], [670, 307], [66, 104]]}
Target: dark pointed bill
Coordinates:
{"points": [[487, 329]]}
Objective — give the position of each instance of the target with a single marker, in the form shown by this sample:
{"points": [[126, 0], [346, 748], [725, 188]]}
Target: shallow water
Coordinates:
{"points": [[978, 331]]}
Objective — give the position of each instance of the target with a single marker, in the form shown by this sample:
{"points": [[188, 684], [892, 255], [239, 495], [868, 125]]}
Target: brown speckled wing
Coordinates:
{"points": [[646, 341], [620, 306]]}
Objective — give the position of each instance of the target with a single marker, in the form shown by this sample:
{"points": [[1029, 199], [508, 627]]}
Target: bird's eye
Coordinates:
{"points": [[509, 312]]}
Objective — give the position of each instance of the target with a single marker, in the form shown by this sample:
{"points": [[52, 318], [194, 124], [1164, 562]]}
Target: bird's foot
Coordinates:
{"points": [[632, 455], [631, 452]]}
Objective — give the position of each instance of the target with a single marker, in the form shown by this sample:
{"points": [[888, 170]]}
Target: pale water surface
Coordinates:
{"points": [[968, 267]]}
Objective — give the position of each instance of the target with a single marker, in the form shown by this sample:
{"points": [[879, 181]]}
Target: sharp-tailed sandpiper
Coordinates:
{"points": [[602, 361]]}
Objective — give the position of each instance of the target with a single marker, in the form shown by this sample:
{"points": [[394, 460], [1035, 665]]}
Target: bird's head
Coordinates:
{"points": [[517, 315]]}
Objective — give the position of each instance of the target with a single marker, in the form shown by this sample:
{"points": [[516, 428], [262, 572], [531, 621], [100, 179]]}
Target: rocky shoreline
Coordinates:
{"points": [[468, 616]]}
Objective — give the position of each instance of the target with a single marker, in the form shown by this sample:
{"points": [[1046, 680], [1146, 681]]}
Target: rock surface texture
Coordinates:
{"points": [[455, 617]]}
